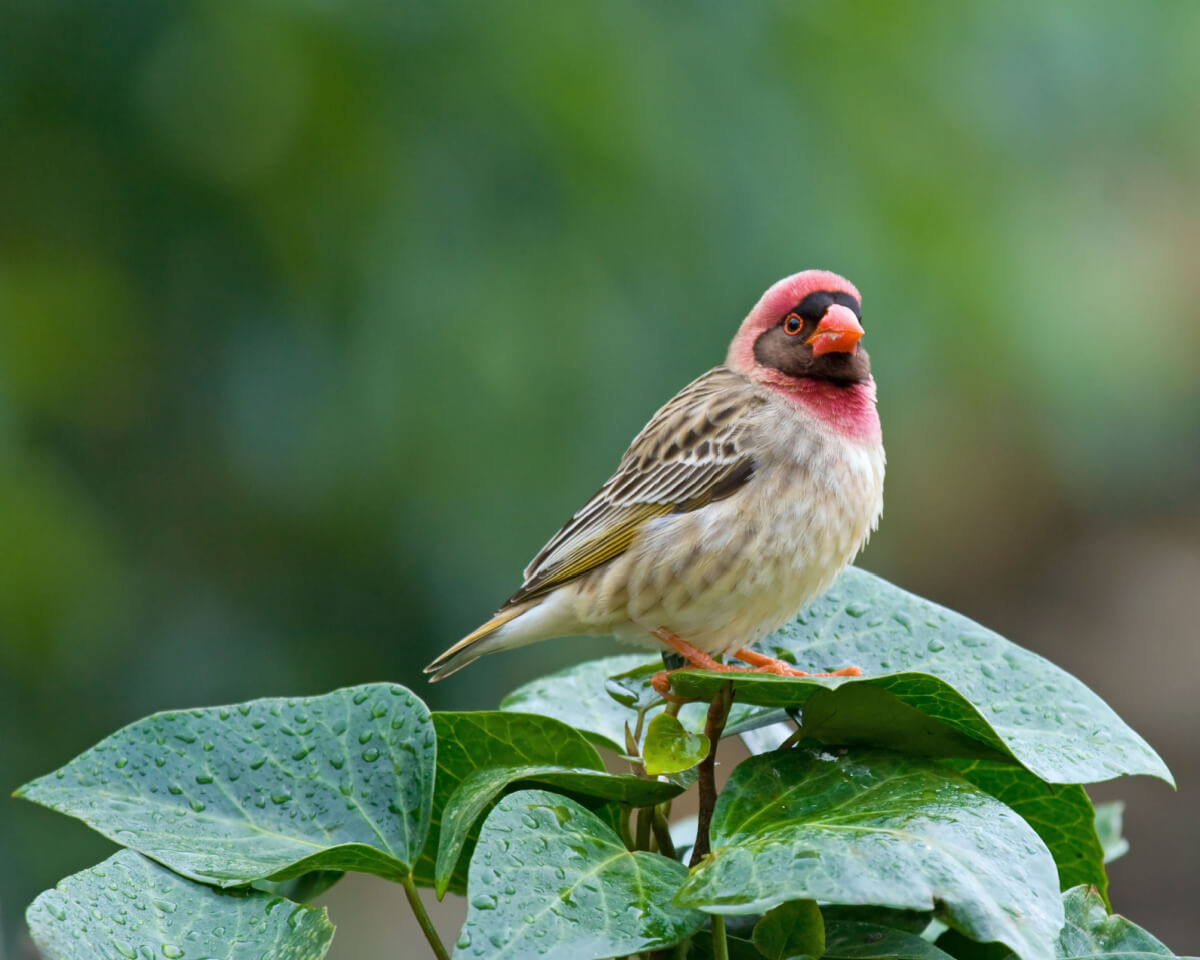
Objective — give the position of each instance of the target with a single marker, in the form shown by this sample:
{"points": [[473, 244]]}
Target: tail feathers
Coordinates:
{"points": [[476, 643]]}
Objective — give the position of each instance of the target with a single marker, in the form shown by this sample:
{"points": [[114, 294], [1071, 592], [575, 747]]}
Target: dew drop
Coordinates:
{"points": [[370, 755]]}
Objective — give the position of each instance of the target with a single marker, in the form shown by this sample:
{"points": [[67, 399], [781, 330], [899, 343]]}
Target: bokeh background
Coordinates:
{"points": [[317, 318]]}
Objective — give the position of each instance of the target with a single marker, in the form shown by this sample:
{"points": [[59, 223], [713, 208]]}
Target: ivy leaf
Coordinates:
{"points": [[481, 788], [871, 941], [304, 888], [669, 748], [792, 929], [1109, 824], [1092, 934], [582, 697], [907, 921], [862, 714], [1061, 815], [700, 947], [578, 697], [950, 668], [869, 827], [478, 740], [549, 879], [269, 789], [129, 906]]}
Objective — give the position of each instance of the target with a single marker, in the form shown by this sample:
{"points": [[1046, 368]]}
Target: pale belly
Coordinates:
{"points": [[728, 574]]}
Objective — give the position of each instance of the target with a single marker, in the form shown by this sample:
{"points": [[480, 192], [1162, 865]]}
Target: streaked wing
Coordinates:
{"points": [[692, 452]]}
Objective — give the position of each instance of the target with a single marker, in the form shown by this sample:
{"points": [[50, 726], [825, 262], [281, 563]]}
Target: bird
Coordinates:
{"points": [[739, 502]]}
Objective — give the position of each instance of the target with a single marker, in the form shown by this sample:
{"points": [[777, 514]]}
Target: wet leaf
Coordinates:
{"points": [[480, 789], [582, 697], [129, 906], [1061, 814], [700, 947], [907, 921], [548, 879], [792, 929], [304, 888], [1092, 934], [870, 827], [871, 941], [950, 668], [669, 748], [578, 697], [481, 739], [269, 789]]}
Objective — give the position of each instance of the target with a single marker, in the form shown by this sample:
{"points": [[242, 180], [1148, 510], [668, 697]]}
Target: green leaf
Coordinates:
{"points": [[477, 740], [862, 714], [480, 789], [964, 948], [582, 697], [941, 663], [129, 906], [907, 921], [700, 947], [1109, 824], [548, 879], [869, 827], [1061, 814], [269, 789], [1092, 934], [1088, 934], [871, 941], [669, 748], [792, 929], [578, 697], [304, 888]]}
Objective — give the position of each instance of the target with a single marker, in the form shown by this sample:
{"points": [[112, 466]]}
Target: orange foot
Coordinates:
{"points": [[661, 681]]}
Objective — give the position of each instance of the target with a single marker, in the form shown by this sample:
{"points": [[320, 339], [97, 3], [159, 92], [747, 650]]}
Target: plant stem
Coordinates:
{"points": [[418, 909], [718, 712], [719, 943], [626, 834], [662, 834], [644, 817]]}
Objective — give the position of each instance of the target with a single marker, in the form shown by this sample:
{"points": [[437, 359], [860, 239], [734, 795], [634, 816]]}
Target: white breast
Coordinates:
{"points": [[729, 573]]}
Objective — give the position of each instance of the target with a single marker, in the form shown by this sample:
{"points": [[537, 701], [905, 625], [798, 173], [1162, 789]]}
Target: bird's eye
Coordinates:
{"points": [[792, 325]]}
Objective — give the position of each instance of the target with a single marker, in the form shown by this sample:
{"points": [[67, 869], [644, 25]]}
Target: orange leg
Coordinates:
{"points": [[698, 658], [765, 664]]}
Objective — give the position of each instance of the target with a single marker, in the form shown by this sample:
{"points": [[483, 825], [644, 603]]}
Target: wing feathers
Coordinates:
{"points": [[692, 452]]}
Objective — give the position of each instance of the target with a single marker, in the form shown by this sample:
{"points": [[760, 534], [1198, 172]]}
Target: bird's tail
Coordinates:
{"points": [[476, 643]]}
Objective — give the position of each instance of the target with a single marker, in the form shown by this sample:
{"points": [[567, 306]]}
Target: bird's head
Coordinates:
{"points": [[806, 327]]}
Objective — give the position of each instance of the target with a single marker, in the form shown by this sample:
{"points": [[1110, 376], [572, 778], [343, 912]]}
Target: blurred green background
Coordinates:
{"points": [[316, 319]]}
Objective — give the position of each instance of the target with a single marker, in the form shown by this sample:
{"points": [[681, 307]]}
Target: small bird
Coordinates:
{"points": [[740, 501]]}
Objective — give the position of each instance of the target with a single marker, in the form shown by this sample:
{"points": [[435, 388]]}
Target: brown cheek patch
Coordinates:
{"points": [[775, 349]]}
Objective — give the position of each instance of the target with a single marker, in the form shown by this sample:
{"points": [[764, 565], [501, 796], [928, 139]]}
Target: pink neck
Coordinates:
{"points": [[849, 411]]}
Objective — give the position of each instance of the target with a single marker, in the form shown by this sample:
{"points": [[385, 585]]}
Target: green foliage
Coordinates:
{"points": [[902, 798], [870, 827], [268, 789], [669, 748], [551, 879], [949, 668], [131, 907], [793, 929]]}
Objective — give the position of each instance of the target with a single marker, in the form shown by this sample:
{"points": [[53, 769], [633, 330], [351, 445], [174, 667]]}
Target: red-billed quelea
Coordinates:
{"points": [[741, 500]]}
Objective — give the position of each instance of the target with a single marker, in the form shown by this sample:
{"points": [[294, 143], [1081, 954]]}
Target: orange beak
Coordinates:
{"points": [[838, 332]]}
